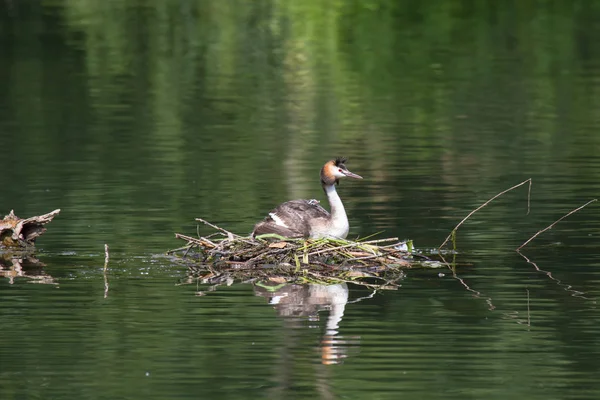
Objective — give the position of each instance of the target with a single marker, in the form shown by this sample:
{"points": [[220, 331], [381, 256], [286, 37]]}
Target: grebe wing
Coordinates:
{"points": [[291, 219], [264, 227]]}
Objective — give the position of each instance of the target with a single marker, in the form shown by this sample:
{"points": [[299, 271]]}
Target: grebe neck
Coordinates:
{"points": [[338, 212]]}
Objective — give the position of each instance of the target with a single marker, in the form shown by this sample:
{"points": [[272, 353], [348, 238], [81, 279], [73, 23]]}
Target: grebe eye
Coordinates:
{"points": [[339, 169]]}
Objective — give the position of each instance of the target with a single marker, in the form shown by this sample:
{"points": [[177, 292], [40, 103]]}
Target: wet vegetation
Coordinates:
{"points": [[376, 263]]}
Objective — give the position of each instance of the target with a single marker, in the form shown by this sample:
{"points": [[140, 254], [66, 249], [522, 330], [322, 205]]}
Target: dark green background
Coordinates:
{"points": [[134, 117]]}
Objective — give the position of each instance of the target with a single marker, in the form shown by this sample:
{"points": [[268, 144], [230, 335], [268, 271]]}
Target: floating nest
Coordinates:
{"points": [[224, 257]]}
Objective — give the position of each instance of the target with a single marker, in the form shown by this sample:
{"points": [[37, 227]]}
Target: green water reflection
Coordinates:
{"points": [[136, 117]]}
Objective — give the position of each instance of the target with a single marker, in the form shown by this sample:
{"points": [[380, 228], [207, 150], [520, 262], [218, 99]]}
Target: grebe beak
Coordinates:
{"points": [[351, 175]]}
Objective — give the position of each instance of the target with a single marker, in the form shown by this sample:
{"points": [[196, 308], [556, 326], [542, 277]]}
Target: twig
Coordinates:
{"points": [[207, 241], [201, 241], [205, 238], [186, 247], [554, 223], [377, 241], [370, 236], [229, 234], [106, 258], [187, 250], [387, 254], [453, 232], [352, 244]]}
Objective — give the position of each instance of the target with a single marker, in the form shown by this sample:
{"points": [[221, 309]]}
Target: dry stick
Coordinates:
{"points": [[485, 204], [388, 254], [178, 249], [106, 258], [201, 241], [203, 238], [208, 241], [187, 250], [229, 234], [188, 238], [554, 223], [352, 244]]}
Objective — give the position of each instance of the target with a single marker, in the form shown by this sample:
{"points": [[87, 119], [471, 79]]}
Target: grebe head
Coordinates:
{"points": [[334, 170]]}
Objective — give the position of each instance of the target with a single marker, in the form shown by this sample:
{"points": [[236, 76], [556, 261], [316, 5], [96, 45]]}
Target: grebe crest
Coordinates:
{"points": [[333, 170]]}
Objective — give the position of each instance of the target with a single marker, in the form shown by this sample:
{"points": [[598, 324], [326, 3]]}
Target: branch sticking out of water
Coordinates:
{"points": [[453, 233], [106, 258], [554, 223]]}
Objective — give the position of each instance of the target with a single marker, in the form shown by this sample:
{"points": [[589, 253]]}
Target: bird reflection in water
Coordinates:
{"points": [[297, 303]]}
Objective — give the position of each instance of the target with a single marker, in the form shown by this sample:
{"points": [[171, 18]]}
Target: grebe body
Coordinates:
{"points": [[306, 218]]}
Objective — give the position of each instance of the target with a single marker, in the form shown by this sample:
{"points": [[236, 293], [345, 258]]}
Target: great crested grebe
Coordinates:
{"points": [[306, 218]]}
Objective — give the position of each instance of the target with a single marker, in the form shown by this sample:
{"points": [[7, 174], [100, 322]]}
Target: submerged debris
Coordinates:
{"points": [[21, 233], [224, 257]]}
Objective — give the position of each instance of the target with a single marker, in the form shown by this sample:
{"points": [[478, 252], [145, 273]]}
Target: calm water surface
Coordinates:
{"points": [[134, 120]]}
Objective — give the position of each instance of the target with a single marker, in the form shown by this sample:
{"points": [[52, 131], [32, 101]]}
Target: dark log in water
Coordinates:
{"points": [[22, 233]]}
